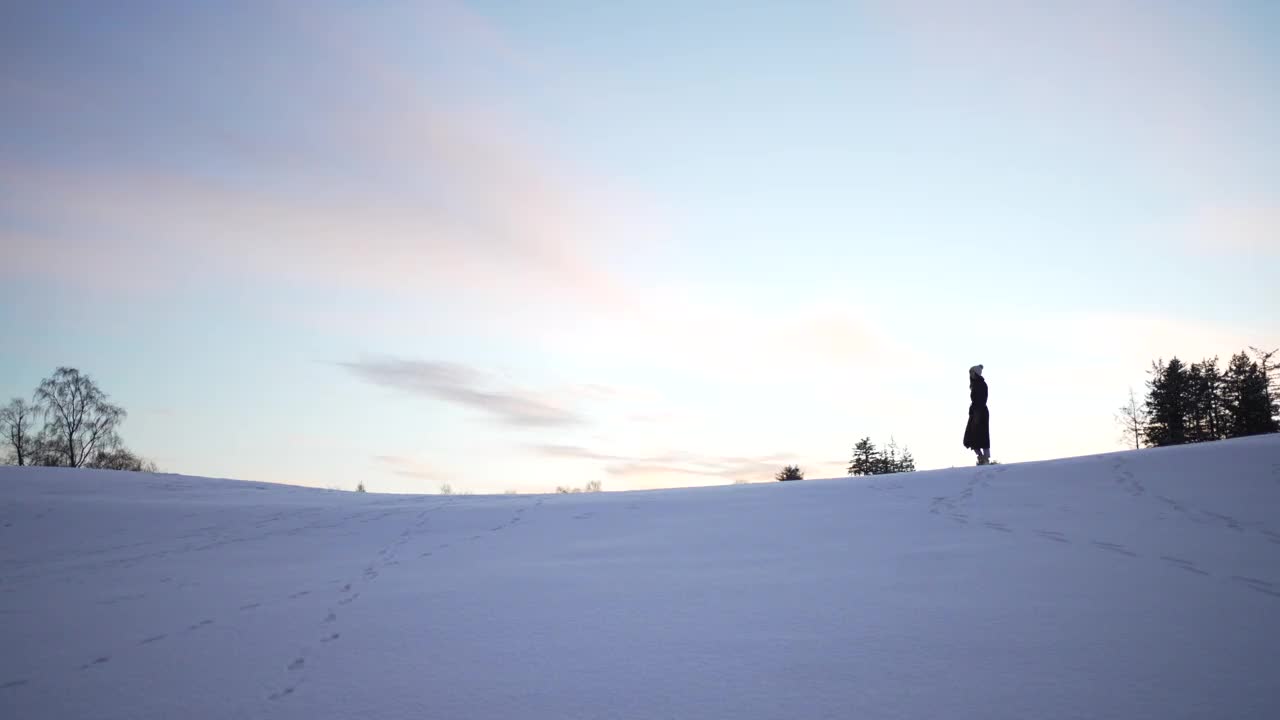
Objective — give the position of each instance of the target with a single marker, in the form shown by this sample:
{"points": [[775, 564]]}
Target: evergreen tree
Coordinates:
{"points": [[1246, 401], [865, 458], [1204, 402], [1168, 392], [888, 459], [906, 463]]}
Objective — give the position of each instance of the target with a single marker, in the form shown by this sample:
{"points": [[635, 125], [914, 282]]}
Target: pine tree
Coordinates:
{"points": [[865, 458], [888, 460], [1204, 402], [906, 463], [1246, 400], [1167, 398]]}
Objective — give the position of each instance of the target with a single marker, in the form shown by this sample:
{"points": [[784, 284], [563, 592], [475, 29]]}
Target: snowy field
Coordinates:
{"points": [[1130, 585]]}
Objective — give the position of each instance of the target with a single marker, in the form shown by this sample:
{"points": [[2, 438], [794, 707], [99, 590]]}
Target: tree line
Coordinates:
{"points": [[1198, 402], [867, 460], [69, 422]]}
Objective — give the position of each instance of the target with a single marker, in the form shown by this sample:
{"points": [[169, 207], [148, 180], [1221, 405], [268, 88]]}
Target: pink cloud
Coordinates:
{"points": [[662, 469], [409, 467], [387, 181], [469, 388]]}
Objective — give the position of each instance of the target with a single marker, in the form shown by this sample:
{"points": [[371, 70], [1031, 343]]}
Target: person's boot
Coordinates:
{"points": [[983, 460]]}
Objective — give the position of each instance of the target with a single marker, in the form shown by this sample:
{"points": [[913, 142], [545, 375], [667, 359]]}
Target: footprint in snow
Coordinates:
{"points": [[998, 526], [1261, 586], [99, 661], [1115, 548], [13, 684], [1053, 535], [1184, 564], [153, 639]]}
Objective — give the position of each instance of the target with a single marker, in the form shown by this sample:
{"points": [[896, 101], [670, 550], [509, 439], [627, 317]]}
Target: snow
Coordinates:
{"points": [[1130, 585]]}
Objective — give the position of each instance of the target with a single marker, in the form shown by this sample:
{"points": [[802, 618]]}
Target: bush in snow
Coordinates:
{"points": [[790, 472]]}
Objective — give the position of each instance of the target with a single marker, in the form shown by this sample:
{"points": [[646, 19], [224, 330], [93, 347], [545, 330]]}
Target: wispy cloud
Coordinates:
{"points": [[660, 467], [408, 467], [381, 176], [469, 388]]}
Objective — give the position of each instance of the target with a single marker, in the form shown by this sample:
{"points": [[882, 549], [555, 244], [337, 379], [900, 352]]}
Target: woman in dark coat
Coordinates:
{"points": [[977, 434]]}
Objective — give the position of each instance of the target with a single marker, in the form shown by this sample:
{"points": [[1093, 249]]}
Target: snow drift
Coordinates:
{"points": [[1130, 585]]}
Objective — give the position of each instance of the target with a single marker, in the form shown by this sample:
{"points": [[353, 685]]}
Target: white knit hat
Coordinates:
{"points": [[976, 370]]}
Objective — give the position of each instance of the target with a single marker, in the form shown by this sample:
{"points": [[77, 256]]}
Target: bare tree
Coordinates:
{"points": [[16, 420], [1133, 417], [1270, 373], [79, 420]]}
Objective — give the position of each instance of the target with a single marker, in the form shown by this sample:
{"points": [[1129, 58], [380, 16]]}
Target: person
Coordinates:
{"points": [[977, 433]]}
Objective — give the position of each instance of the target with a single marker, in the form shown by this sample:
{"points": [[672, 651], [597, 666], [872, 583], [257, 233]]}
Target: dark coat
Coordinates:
{"points": [[977, 433]]}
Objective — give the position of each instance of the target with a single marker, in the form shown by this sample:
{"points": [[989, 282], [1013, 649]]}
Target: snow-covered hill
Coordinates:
{"points": [[1130, 585]]}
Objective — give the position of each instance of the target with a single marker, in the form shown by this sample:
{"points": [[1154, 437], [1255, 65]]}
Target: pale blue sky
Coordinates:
{"points": [[517, 245]]}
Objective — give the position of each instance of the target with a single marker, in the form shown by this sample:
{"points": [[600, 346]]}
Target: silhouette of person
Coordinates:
{"points": [[977, 433]]}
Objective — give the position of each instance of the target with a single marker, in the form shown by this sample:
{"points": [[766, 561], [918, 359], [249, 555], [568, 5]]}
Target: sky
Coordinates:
{"points": [[512, 246]]}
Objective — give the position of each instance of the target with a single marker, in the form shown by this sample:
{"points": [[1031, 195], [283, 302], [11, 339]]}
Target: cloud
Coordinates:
{"points": [[385, 174], [408, 467], [466, 387], [658, 468]]}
